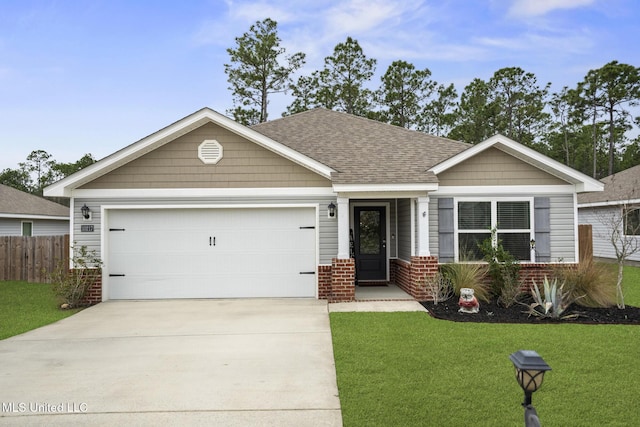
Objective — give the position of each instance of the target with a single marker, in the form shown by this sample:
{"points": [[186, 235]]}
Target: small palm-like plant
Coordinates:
{"points": [[552, 303]]}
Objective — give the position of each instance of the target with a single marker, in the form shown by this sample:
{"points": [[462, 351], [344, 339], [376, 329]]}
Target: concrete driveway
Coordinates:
{"points": [[188, 362]]}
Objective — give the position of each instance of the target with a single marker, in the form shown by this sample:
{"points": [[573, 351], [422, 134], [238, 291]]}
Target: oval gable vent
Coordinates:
{"points": [[210, 151]]}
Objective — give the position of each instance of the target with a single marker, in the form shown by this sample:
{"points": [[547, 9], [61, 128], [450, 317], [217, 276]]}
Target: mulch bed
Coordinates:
{"points": [[491, 312]]}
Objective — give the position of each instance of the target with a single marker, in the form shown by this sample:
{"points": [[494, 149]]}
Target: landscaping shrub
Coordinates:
{"points": [[467, 275], [439, 287], [71, 285], [503, 269], [591, 284]]}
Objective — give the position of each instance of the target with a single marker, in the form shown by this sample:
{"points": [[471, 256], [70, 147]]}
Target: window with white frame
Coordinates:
{"points": [[632, 221], [27, 228], [511, 218]]}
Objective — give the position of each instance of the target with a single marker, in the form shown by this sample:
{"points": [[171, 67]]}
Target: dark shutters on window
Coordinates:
{"points": [[542, 206], [445, 230]]}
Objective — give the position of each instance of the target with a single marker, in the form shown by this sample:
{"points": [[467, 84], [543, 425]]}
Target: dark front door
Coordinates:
{"points": [[370, 243]]}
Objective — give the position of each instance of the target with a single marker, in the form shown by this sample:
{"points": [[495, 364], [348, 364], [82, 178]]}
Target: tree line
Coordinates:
{"points": [[40, 170], [587, 126]]}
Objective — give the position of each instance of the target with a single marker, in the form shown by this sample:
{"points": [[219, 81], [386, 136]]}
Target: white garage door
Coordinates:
{"points": [[211, 253]]}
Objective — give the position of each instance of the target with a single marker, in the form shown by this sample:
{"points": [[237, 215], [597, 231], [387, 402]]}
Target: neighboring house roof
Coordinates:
{"points": [[620, 188], [18, 204], [362, 151]]}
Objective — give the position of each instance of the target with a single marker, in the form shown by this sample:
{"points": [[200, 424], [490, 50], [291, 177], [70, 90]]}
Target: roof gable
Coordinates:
{"points": [[494, 167], [15, 203], [178, 164], [183, 126], [581, 181]]}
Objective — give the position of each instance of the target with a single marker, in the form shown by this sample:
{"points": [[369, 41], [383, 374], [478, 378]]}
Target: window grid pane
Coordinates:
{"points": [[517, 244], [27, 229], [474, 215], [513, 216], [468, 249]]}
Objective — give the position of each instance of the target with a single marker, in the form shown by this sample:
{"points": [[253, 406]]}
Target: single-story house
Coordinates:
{"points": [[23, 214], [616, 208], [309, 205]]}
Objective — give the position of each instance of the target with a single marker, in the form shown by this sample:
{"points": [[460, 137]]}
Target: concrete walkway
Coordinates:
{"points": [[179, 362]]}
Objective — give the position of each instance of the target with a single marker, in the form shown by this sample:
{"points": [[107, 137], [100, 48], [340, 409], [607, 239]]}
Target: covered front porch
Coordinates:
{"points": [[383, 248]]}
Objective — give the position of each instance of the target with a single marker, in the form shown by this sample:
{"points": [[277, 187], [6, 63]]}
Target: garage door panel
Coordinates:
{"points": [[212, 253]]}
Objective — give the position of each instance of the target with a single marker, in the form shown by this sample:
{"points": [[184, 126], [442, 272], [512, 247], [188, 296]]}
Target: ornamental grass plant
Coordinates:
{"points": [[590, 284], [467, 275]]}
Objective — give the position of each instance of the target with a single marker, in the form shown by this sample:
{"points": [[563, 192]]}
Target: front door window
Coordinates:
{"points": [[370, 243]]}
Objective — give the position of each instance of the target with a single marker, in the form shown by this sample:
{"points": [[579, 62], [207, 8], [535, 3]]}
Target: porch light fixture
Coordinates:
{"points": [[331, 210], [86, 212], [533, 243], [530, 369]]}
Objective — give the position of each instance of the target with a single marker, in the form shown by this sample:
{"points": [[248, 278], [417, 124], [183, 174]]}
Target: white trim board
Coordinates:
{"points": [[178, 193], [609, 203], [503, 190]]}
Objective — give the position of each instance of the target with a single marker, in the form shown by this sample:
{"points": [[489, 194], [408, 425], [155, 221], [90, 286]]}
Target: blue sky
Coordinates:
{"points": [[94, 76]]}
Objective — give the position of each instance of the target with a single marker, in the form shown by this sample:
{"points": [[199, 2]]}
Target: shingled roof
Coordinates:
{"points": [[362, 151], [17, 203], [621, 187]]}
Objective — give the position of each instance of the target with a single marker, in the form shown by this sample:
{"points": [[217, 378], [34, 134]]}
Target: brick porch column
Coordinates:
{"points": [[343, 285], [421, 268]]}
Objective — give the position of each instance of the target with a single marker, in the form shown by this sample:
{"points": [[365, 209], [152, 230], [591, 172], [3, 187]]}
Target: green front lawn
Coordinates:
{"points": [[408, 369], [26, 306]]}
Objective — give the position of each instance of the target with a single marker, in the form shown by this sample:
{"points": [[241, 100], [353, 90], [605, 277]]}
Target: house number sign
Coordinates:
{"points": [[85, 228]]}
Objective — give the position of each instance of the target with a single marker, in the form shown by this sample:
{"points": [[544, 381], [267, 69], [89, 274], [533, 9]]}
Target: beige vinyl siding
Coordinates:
{"points": [[176, 165], [328, 232], [495, 167], [563, 239]]}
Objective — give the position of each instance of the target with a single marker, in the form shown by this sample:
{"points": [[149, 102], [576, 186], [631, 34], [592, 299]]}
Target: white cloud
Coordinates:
{"points": [[525, 8], [357, 16], [527, 43]]}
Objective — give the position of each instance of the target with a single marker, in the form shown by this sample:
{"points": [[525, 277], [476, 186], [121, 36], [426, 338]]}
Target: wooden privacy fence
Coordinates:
{"points": [[585, 242], [32, 259]]}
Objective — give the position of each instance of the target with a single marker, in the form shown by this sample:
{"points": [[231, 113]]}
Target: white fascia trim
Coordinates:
{"points": [[180, 193], [609, 203], [384, 188], [384, 195], [63, 187], [28, 216], [211, 206], [505, 189], [583, 182]]}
